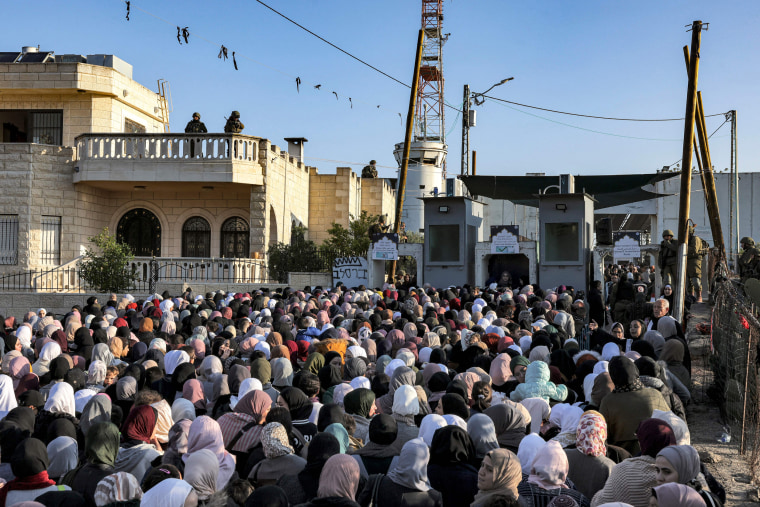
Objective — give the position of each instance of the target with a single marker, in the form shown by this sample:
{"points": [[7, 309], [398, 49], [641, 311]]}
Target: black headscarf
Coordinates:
{"points": [[451, 445], [29, 458], [183, 373], [237, 374], [60, 427], [329, 375], [76, 378], [383, 429], [267, 496], [61, 499], [438, 382], [58, 368], [321, 448], [84, 343], [10, 342], [453, 403], [155, 355], [23, 417], [564, 362], [100, 335], [32, 398], [137, 371], [458, 387], [624, 374], [298, 403], [328, 414]]}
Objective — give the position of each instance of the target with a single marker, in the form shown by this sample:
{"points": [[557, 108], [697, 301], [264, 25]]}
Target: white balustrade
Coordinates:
{"points": [[169, 147]]}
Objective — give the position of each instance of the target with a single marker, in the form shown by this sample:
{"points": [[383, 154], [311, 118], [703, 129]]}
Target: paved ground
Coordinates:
{"points": [[723, 460]]}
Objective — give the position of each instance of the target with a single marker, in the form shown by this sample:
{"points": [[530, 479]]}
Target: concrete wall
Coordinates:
{"points": [[379, 198], [301, 280], [93, 98]]}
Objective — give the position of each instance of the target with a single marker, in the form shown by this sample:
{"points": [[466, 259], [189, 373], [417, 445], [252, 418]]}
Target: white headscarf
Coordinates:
{"points": [[7, 396], [64, 456], [359, 382], [183, 409], [61, 399], [455, 420], [247, 385], [588, 385], [167, 493], [610, 350], [529, 447], [430, 423], [173, 359], [81, 398], [24, 335]]}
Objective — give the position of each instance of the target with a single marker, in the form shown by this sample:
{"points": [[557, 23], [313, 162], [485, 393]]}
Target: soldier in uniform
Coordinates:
{"points": [[749, 262], [233, 126], [378, 228], [370, 171], [668, 258], [698, 248], [195, 126]]}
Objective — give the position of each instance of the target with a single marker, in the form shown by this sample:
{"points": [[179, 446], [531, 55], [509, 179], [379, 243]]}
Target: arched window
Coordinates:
{"points": [[196, 238], [235, 234], [141, 230]]}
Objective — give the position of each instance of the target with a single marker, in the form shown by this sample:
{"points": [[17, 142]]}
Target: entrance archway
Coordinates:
{"points": [[141, 230]]}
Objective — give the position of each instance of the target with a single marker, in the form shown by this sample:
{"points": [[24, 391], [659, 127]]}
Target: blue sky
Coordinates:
{"points": [[608, 58]]}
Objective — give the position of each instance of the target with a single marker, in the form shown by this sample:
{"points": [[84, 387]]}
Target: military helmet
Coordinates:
{"points": [[372, 162], [197, 114], [235, 114], [746, 240], [667, 232]]}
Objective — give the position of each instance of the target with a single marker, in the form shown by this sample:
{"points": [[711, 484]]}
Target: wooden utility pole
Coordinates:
{"points": [[706, 173], [685, 201], [408, 140]]}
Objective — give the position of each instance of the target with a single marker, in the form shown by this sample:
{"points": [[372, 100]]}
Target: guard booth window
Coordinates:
{"points": [[25, 126]]}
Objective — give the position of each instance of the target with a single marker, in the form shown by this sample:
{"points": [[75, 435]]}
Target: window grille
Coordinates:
{"points": [[8, 239], [51, 240], [47, 127], [235, 236]]}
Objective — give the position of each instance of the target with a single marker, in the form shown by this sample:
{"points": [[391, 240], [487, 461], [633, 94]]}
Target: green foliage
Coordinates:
{"points": [[301, 255], [106, 269], [351, 242], [414, 237]]}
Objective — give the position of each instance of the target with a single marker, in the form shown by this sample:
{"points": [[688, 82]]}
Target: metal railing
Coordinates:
{"points": [[150, 272], [168, 147]]}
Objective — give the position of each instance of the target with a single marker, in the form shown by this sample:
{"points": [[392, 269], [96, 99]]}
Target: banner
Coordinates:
{"points": [[351, 271], [385, 246], [627, 245], [505, 239]]}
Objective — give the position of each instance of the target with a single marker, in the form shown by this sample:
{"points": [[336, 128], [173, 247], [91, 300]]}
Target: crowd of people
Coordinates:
{"points": [[417, 397]]}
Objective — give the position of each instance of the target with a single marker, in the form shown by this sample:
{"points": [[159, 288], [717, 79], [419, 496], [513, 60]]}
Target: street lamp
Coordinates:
{"points": [[468, 122]]}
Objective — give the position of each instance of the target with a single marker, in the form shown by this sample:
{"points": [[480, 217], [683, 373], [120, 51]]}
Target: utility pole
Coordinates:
{"points": [[465, 168], [734, 194], [408, 140], [687, 156]]}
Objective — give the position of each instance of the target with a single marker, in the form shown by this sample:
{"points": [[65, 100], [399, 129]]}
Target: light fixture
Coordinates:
{"points": [[560, 207], [443, 209]]}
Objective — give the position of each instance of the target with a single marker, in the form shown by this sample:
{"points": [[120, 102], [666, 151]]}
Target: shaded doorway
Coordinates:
{"points": [[141, 230]]}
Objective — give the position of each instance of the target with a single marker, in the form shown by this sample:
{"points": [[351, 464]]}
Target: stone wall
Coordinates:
{"points": [[333, 198], [379, 198], [301, 280]]}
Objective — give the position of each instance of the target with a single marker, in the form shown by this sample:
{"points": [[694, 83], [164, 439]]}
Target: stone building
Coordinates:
{"points": [[85, 147]]}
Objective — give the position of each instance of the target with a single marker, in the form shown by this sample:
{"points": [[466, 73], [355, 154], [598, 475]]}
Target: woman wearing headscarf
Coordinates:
{"points": [[628, 405], [50, 351], [282, 373], [120, 489], [96, 375], [376, 455], [303, 486], [653, 375], [450, 469], [241, 429], [64, 455], [405, 407], [101, 448], [566, 418], [360, 403], [481, 429], [98, 409], [676, 494], [29, 463], [509, 424], [338, 483], [279, 457], [299, 406], [139, 444], [680, 464], [673, 355], [205, 433], [402, 375], [498, 477], [192, 390], [631, 481], [60, 404], [406, 484], [7, 395], [547, 478], [170, 493], [201, 472], [589, 464]]}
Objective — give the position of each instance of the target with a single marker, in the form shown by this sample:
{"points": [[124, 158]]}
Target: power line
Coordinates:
{"points": [[714, 131], [589, 115]]}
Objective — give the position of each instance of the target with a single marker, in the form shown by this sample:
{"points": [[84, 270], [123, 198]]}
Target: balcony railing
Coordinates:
{"points": [[168, 147]]}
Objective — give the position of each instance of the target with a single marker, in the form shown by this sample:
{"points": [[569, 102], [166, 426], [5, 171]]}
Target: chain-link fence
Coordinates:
{"points": [[733, 365]]}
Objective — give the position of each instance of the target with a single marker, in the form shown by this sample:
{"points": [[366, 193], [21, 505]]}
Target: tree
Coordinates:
{"points": [[106, 270], [351, 242]]}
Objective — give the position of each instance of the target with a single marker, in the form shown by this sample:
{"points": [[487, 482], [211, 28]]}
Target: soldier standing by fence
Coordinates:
{"points": [[195, 126]]}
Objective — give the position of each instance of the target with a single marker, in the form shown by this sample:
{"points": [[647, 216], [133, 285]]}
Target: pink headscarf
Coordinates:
{"points": [[550, 467], [193, 391], [500, 369], [340, 477], [199, 347], [205, 434]]}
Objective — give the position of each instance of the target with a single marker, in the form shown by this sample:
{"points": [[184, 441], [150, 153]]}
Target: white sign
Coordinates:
{"points": [[351, 271], [505, 241], [627, 246], [385, 248]]}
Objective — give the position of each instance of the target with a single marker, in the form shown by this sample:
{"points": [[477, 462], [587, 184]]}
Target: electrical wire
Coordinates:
{"points": [[709, 137], [589, 115]]}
